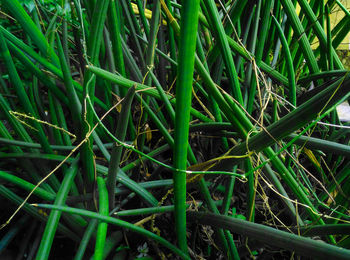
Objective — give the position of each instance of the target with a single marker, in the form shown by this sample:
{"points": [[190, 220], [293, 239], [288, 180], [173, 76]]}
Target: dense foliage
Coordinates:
{"points": [[163, 129]]}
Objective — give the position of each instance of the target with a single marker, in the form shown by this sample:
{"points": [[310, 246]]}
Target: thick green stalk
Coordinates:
{"points": [[74, 102], [330, 49], [94, 43], [188, 32], [102, 226], [115, 34], [116, 154]]}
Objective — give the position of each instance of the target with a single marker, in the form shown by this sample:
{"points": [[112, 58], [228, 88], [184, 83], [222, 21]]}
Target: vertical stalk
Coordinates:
{"points": [[115, 34], [102, 226], [116, 154], [150, 56], [94, 44], [188, 33]]}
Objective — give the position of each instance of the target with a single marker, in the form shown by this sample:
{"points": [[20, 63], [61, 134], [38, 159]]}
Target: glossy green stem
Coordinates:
{"points": [[188, 32]]}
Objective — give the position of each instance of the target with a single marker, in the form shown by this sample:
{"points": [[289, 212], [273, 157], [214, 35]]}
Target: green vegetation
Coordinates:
{"points": [[164, 129]]}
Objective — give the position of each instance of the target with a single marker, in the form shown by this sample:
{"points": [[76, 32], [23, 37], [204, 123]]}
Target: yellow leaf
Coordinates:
{"points": [[118, 107], [333, 194], [312, 157], [148, 133], [148, 13]]}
